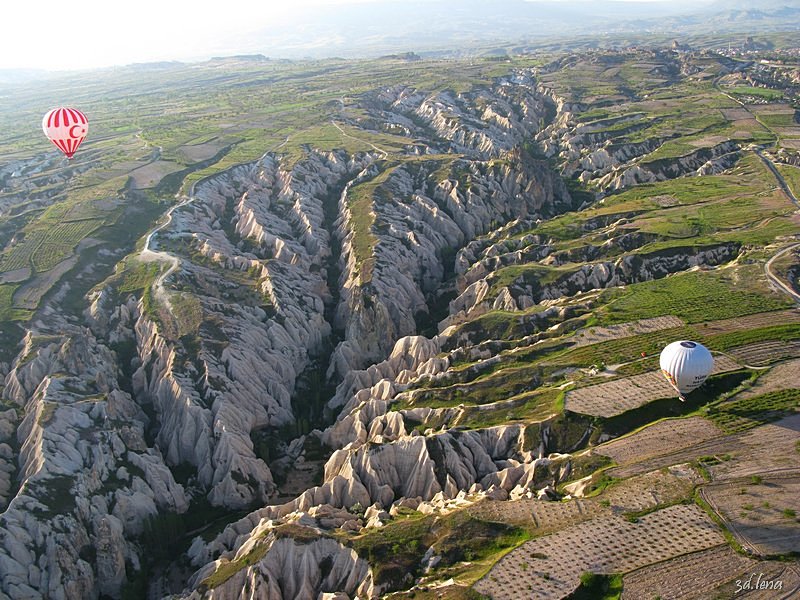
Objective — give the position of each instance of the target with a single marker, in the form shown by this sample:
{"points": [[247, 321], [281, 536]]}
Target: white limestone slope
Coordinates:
{"points": [[86, 476], [290, 571], [253, 346]]}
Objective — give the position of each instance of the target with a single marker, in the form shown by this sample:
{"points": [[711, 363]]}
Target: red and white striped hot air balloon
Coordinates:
{"points": [[66, 128]]}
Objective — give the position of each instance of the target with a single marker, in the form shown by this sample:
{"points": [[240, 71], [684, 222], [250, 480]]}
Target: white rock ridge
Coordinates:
{"points": [[87, 478]]}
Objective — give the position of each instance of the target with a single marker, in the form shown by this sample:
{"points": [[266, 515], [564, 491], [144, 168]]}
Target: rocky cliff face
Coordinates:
{"points": [[277, 282], [289, 570], [256, 277], [481, 123], [527, 290], [244, 310], [599, 154], [87, 480], [419, 221], [705, 161]]}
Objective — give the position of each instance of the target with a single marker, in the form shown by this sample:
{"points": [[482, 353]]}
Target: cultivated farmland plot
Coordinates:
{"points": [[756, 321], [667, 443], [780, 377], [766, 571], [694, 575], [736, 114], [659, 439], [198, 152], [30, 293], [677, 441], [621, 395], [652, 489], [764, 353], [616, 397], [550, 566], [541, 515], [45, 248], [770, 448], [584, 337], [150, 174], [763, 515]]}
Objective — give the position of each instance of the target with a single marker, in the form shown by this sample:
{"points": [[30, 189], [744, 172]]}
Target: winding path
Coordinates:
{"points": [[781, 181], [347, 135], [777, 280], [147, 254]]}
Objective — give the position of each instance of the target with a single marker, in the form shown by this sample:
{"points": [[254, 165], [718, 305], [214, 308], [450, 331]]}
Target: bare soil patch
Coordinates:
{"points": [[764, 353], [763, 515], [29, 294], [665, 200], [765, 449], [649, 490], [658, 105], [150, 174], [592, 335], [782, 376], [777, 108], [708, 141], [789, 132], [541, 515], [616, 397], [788, 574], [107, 204], [659, 439], [694, 575], [745, 133], [770, 448], [15, 276], [756, 321], [736, 114], [200, 152]]}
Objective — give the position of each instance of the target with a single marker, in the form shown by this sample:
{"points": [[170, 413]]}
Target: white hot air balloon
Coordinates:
{"points": [[686, 365]]}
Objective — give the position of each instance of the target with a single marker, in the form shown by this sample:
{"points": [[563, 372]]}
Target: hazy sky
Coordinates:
{"points": [[87, 33], [77, 34]]}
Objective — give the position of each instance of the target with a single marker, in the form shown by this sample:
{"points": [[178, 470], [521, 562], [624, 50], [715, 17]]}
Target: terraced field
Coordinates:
{"points": [[696, 575], [552, 565], [650, 490], [661, 438], [538, 516], [763, 353], [595, 335], [782, 376], [761, 515], [627, 393], [609, 366]]}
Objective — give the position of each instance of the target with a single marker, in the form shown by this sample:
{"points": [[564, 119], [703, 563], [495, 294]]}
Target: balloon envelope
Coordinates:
{"points": [[686, 365], [66, 128]]}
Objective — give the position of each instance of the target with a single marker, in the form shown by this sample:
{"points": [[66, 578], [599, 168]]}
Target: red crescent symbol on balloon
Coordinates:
{"points": [[72, 133]]}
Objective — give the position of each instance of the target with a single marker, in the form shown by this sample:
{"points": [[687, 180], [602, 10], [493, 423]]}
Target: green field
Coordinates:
{"points": [[741, 415], [693, 297], [765, 93]]}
